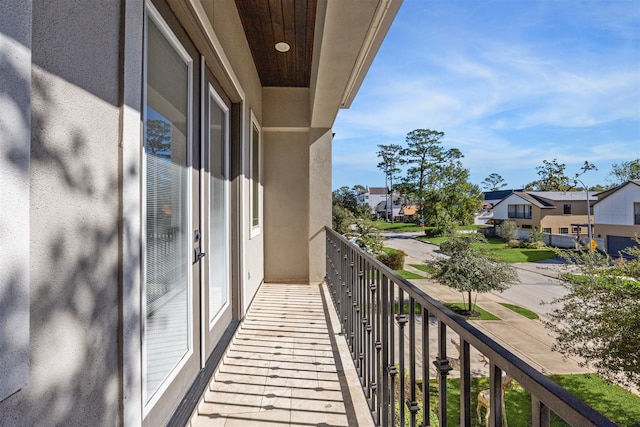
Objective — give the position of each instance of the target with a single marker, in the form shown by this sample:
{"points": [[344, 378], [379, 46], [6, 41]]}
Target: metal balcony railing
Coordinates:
{"points": [[382, 335]]}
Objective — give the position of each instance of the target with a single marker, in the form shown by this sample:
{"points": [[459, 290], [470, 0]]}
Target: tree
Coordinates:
{"points": [[158, 138], [625, 171], [436, 179], [599, 317], [391, 160], [345, 197], [345, 208], [468, 270], [553, 177], [494, 182]]}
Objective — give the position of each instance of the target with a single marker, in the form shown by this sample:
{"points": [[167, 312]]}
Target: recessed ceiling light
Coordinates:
{"points": [[282, 47]]}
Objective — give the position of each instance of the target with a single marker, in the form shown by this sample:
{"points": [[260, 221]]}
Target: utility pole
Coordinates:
{"points": [[589, 233]]}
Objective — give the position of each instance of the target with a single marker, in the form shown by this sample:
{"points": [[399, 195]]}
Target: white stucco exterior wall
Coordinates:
{"points": [[617, 208]]}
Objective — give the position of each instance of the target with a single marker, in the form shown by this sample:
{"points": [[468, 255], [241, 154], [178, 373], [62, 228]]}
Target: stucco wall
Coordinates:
{"points": [[617, 208], [286, 204], [74, 207]]}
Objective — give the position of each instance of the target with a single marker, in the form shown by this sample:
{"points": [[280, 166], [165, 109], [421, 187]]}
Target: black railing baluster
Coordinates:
{"points": [[386, 339], [465, 383], [495, 393], [393, 370], [443, 368], [426, 401], [540, 416], [401, 318], [412, 404]]}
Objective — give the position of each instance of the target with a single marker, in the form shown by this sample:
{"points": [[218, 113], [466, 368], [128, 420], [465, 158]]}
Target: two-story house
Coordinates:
{"points": [[372, 196], [617, 217], [551, 212]]}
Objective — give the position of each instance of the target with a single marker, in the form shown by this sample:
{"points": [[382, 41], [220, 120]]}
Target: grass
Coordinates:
{"points": [[617, 404], [410, 226], [405, 308], [409, 274], [426, 268], [458, 306], [582, 279], [521, 310], [497, 249]]}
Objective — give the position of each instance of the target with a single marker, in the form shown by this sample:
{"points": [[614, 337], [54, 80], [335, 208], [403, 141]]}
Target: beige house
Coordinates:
{"points": [[157, 160], [617, 217], [549, 212]]}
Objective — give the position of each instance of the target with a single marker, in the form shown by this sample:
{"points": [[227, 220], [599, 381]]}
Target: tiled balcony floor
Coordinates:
{"points": [[283, 367]]}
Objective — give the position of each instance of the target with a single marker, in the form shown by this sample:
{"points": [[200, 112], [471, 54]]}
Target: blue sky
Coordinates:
{"points": [[510, 83]]}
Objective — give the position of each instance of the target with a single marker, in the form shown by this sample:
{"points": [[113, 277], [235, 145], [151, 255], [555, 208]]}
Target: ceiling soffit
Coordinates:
{"points": [[268, 22]]}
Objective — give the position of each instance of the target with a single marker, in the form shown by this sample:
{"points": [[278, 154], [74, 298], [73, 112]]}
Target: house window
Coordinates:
{"points": [[255, 178], [520, 211], [636, 213], [547, 230], [567, 209], [526, 226], [564, 230]]}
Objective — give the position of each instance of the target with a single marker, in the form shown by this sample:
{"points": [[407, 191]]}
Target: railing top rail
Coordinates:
{"points": [[556, 398]]}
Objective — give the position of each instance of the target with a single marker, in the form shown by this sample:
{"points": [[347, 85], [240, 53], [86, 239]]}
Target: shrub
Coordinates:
{"points": [[508, 230], [513, 243], [392, 258], [461, 242]]}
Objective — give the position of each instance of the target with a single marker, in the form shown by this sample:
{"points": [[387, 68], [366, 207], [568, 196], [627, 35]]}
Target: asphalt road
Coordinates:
{"points": [[538, 281]]}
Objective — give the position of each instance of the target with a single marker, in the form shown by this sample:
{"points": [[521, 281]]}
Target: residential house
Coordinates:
{"points": [[617, 217], [562, 212], [372, 196], [491, 198], [157, 163], [385, 209]]}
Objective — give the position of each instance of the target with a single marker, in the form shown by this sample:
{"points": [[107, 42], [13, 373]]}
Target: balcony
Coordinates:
{"points": [[346, 353]]}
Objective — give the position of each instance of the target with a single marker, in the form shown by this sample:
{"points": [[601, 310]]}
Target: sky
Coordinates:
{"points": [[510, 83]]}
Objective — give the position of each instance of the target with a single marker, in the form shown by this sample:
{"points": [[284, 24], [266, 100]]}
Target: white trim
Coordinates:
{"points": [[202, 175], [148, 402]]}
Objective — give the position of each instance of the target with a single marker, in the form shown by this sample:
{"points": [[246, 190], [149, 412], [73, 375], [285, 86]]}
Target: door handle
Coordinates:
{"points": [[199, 254]]}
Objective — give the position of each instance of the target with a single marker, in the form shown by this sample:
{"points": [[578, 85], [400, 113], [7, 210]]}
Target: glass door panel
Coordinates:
{"points": [[218, 196], [167, 267]]}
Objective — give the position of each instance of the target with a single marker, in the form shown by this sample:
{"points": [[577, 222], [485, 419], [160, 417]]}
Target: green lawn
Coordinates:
{"points": [[410, 226], [496, 249], [617, 404], [614, 402], [425, 268], [409, 274], [521, 310], [484, 314]]}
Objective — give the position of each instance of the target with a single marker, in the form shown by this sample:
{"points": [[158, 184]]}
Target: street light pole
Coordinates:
{"points": [[589, 234]]}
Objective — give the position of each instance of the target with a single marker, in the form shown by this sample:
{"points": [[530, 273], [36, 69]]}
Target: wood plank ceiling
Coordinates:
{"points": [[267, 22]]}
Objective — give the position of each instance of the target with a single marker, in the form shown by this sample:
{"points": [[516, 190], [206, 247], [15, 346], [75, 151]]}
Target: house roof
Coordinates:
{"points": [[410, 209], [548, 199], [377, 190], [619, 187]]}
